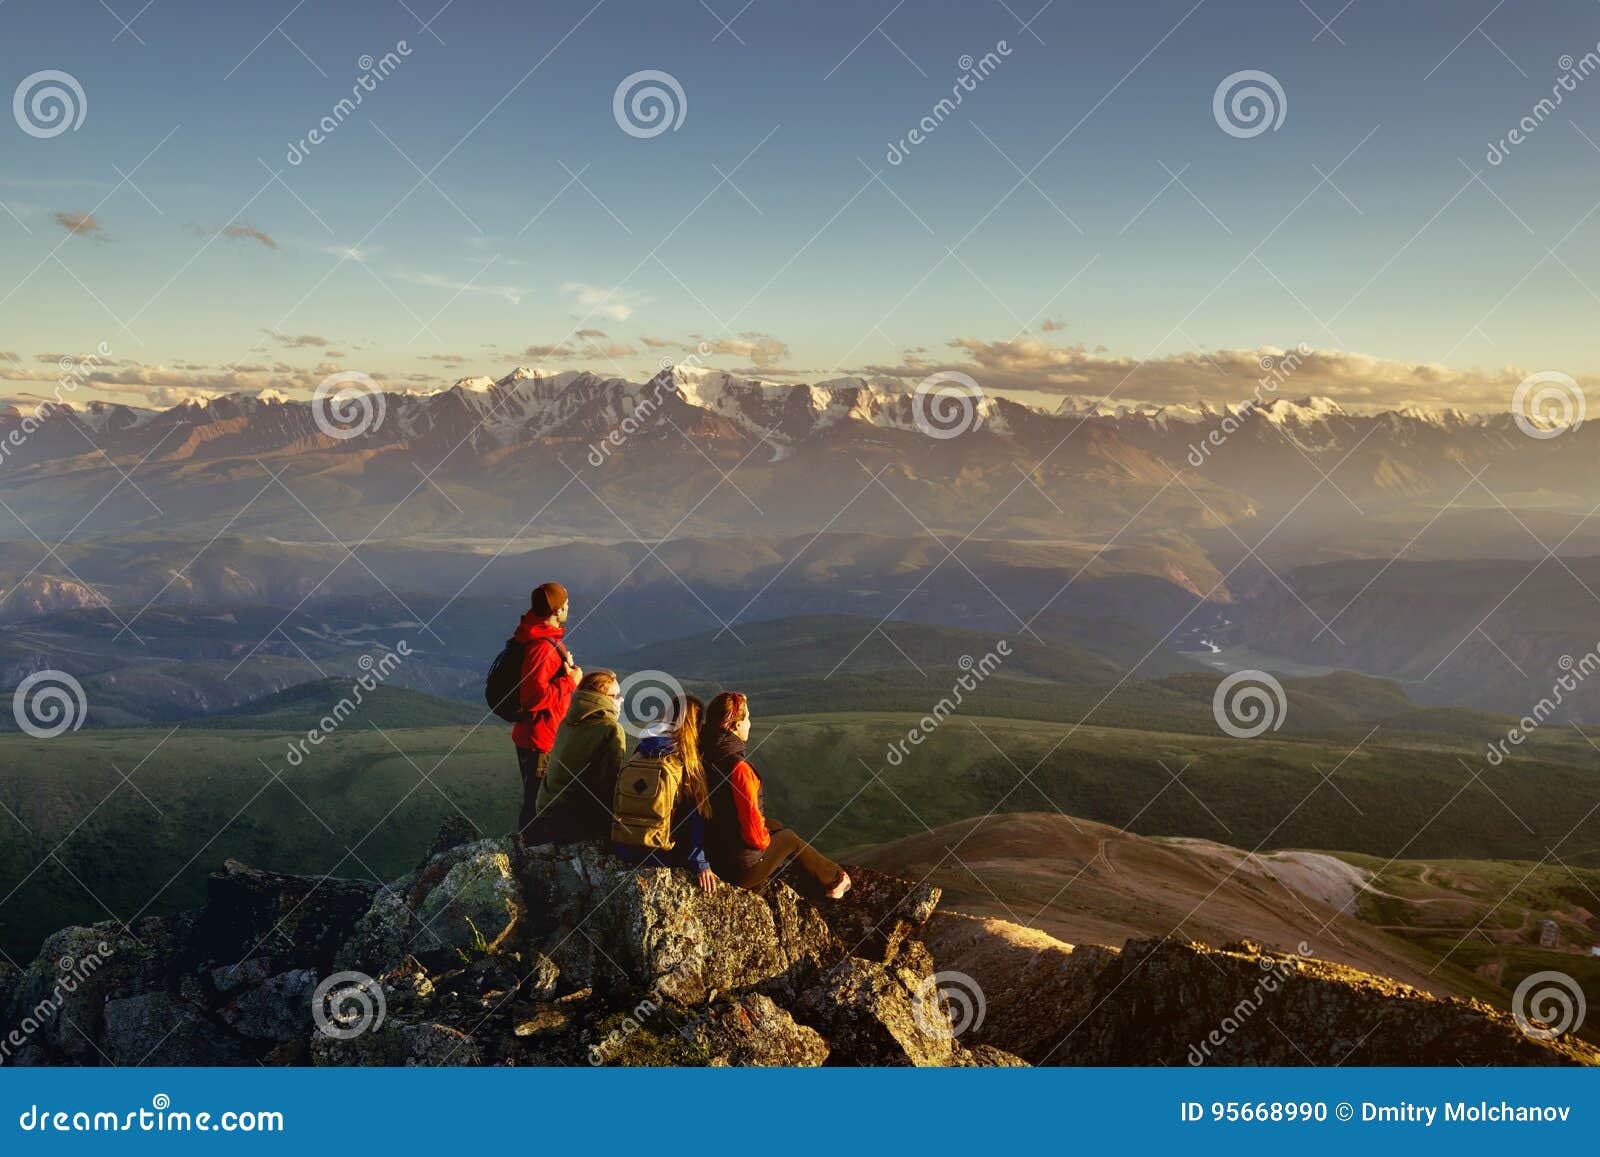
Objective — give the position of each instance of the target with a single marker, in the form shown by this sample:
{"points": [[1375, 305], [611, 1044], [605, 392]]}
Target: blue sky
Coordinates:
{"points": [[1150, 255]]}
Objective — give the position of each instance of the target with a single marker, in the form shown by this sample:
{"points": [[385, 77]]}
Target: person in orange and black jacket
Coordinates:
{"points": [[549, 677], [747, 847]]}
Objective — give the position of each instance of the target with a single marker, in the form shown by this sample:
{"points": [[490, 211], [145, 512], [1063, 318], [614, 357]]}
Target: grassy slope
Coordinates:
{"points": [[211, 795]]}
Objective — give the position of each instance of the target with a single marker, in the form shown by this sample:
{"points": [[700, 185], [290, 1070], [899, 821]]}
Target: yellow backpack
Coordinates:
{"points": [[642, 806]]}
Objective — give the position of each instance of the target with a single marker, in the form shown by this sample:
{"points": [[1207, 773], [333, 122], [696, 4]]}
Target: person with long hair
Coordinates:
{"points": [[674, 749], [745, 845]]}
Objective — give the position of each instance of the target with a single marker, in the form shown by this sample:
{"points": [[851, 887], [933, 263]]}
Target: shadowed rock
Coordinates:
{"points": [[566, 955]]}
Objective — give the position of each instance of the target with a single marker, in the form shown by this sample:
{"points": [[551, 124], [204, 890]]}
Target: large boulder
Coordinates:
{"points": [[462, 902], [250, 912], [882, 1014], [753, 1030], [58, 1001], [278, 1009], [475, 906], [656, 929], [158, 1029]]}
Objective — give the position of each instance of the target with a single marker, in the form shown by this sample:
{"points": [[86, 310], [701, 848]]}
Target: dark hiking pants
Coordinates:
{"points": [[531, 765], [801, 866]]}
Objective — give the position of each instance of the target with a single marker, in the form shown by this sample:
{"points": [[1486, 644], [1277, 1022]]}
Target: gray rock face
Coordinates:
{"points": [[59, 999], [398, 1044], [880, 1014], [462, 901], [658, 929], [753, 1030], [476, 904], [158, 1029], [278, 1009]]}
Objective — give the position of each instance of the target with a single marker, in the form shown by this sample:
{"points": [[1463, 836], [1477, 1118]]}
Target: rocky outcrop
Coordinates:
{"points": [[489, 954], [1174, 1002], [754, 1030]]}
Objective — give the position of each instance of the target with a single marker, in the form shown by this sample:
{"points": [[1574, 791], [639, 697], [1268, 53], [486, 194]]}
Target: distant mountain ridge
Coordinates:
{"points": [[702, 452], [529, 403]]}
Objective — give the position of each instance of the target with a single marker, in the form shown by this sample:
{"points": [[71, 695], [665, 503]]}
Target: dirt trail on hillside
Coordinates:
{"points": [[1090, 883]]}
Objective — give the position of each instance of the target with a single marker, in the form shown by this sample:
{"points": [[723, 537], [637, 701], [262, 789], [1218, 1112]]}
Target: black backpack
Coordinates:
{"points": [[502, 690]]}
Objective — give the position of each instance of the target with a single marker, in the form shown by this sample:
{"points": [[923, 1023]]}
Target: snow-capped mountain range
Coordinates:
{"points": [[958, 458]]}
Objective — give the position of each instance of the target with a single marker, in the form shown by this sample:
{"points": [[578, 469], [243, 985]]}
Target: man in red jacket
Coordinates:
{"points": [[548, 678]]}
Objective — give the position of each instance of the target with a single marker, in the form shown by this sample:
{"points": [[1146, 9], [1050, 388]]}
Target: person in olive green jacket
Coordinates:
{"points": [[575, 796]]}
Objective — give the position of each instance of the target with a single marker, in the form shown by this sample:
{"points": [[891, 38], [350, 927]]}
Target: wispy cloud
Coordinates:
{"points": [[510, 293], [81, 224], [761, 348], [243, 232], [297, 341], [597, 301], [1221, 377]]}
